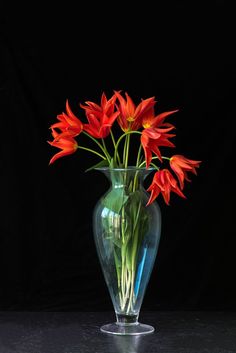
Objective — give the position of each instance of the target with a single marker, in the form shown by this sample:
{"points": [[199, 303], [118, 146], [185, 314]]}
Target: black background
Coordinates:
{"points": [[181, 54]]}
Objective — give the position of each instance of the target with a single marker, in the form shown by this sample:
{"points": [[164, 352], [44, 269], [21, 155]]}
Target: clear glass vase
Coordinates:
{"points": [[127, 234]]}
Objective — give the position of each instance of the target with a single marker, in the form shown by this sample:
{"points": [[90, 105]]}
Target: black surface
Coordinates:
{"points": [[78, 332]]}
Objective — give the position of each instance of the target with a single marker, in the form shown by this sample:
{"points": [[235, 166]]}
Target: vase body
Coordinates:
{"points": [[126, 234]]}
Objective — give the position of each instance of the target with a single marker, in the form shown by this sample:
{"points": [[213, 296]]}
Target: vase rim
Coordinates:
{"points": [[129, 168]]}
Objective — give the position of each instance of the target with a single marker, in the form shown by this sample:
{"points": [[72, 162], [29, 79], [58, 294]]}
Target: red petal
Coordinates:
{"points": [[154, 194], [151, 133], [161, 117], [130, 106], [103, 100], [69, 112], [147, 152], [59, 155], [179, 173]]}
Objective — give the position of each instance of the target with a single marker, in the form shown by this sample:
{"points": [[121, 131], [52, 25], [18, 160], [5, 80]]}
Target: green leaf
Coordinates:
{"points": [[117, 241], [117, 260], [113, 164], [103, 163], [115, 200]]}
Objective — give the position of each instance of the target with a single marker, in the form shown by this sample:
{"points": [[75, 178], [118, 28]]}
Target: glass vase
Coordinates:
{"points": [[127, 234]]}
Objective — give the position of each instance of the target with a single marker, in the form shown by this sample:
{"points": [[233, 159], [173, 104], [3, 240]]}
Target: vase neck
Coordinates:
{"points": [[130, 177]]}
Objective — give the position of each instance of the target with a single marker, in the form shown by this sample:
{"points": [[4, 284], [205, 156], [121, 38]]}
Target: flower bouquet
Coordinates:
{"points": [[126, 220]]}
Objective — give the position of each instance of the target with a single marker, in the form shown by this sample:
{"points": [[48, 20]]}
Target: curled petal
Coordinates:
{"points": [[163, 182], [181, 166], [100, 118], [154, 194]]}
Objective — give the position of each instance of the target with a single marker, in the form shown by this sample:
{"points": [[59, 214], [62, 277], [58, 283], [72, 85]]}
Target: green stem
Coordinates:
{"points": [[139, 155], [127, 151], [131, 294], [124, 149], [105, 150], [114, 144], [141, 164], [92, 151], [123, 273], [99, 144], [154, 165], [163, 157], [113, 138], [120, 139], [134, 251], [137, 164]]}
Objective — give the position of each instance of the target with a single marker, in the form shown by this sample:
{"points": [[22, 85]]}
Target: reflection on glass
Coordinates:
{"points": [[129, 344]]}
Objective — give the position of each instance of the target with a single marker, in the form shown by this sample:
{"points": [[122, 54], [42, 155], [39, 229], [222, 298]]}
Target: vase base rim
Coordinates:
{"points": [[127, 330]]}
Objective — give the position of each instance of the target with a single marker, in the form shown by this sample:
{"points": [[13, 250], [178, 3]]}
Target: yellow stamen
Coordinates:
{"points": [[130, 118], [146, 125]]}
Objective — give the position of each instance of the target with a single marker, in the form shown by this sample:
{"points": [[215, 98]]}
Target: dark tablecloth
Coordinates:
{"points": [[78, 332]]}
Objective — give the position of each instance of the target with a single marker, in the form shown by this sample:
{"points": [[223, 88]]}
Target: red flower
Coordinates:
{"points": [[130, 117], [100, 118], [151, 121], [153, 136], [67, 144], [68, 123], [107, 106], [152, 139], [181, 165], [163, 182]]}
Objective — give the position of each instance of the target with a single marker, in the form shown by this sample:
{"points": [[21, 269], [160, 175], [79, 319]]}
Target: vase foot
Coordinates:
{"points": [[127, 329]]}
